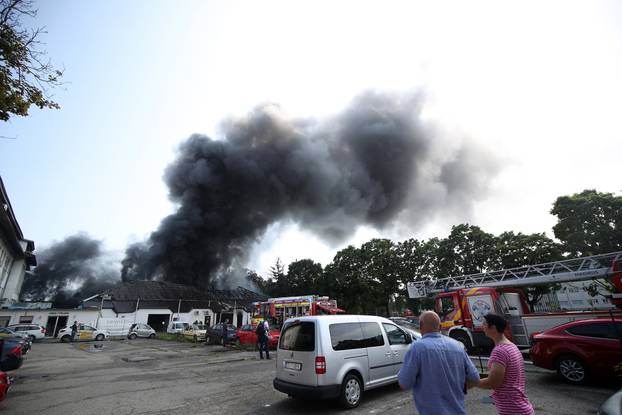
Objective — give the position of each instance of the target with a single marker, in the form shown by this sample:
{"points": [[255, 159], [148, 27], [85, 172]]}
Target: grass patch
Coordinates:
{"points": [[171, 337]]}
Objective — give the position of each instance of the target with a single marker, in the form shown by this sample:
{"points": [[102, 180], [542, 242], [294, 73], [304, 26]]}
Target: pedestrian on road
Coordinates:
{"points": [[263, 328], [224, 332], [438, 370], [506, 371], [74, 330]]}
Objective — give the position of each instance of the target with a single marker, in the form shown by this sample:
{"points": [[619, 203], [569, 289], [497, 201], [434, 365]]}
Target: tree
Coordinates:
{"points": [[380, 268], [302, 276], [589, 223], [25, 73], [347, 283], [277, 280], [519, 250], [417, 261], [467, 250]]}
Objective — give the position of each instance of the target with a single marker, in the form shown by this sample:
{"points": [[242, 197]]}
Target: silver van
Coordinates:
{"points": [[339, 356]]}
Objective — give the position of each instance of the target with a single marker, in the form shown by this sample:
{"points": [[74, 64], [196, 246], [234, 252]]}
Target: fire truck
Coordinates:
{"points": [[281, 308], [463, 301]]}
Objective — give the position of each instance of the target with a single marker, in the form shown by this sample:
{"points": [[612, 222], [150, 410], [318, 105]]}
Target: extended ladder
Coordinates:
{"points": [[577, 269]]}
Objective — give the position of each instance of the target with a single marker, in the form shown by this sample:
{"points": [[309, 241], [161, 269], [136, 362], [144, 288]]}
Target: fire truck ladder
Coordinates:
{"points": [[577, 269]]}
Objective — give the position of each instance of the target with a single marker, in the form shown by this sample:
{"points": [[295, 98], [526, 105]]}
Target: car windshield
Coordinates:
{"points": [[199, 327]]}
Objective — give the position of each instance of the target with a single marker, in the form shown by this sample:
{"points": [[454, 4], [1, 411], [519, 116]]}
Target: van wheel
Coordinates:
{"points": [[152, 335], [65, 339], [99, 337], [351, 391], [132, 336], [572, 369], [463, 338]]}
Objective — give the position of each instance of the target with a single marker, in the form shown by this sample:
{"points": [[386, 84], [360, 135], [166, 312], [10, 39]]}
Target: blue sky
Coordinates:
{"points": [[537, 84]]}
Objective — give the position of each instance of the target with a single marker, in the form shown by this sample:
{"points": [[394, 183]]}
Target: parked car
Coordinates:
{"points": [[339, 356], [21, 338], [5, 385], [85, 332], [580, 349], [177, 327], [246, 335], [6, 332], [141, 330], [34, 331], [12, 356], [195, 332], [214, 334]]}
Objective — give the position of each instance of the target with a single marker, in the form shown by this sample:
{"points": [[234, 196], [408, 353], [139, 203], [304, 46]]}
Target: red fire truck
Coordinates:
{"points": [[463, 301], [282, 308]]}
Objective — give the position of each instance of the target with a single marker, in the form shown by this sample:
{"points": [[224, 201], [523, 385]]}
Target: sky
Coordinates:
{"points": [[537, 84]]}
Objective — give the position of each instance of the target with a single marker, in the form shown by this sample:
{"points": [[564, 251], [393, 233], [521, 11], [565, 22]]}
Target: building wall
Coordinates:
{"points": [[572, 296]]}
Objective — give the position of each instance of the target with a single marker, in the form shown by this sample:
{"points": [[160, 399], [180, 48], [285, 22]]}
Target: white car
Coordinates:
{"points": [[141, 330], [85, 332], [177, 327], [34, 331]]}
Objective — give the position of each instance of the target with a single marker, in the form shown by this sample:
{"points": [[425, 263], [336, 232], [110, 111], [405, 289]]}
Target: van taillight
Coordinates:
{"points": [[42, 330], [320, 365]]}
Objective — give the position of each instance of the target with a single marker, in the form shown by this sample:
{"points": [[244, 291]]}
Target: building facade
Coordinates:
{"points": [[16, 252]]}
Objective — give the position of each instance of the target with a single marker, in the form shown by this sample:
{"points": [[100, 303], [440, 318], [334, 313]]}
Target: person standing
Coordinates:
{"points": [[74, 330], [438, 370], [225, 327], [506, 371], [262, 338]]}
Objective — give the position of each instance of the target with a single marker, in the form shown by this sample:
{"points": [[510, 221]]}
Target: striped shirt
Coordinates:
{"points": [[510, 398]]}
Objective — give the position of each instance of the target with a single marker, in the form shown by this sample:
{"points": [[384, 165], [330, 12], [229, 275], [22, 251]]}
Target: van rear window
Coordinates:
{"points": [[298, 336]]}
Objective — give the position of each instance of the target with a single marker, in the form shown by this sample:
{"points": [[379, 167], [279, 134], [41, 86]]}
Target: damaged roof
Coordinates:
{"points": [[129, 296]]}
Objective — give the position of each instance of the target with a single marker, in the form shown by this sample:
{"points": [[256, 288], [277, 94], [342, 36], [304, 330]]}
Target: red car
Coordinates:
{"points": [[5, 384], [580, 349], [246, 335]]}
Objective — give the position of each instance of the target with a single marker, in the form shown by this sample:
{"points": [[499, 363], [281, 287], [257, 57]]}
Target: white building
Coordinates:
{"points": [[16, 252], [156, 303]]}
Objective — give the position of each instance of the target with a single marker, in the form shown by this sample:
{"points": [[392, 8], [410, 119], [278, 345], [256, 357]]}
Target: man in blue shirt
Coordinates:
{"points": [[438, 369]]}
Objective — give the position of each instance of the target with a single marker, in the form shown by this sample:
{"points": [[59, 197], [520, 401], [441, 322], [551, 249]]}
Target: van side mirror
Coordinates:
{"points": [[409, 338]]}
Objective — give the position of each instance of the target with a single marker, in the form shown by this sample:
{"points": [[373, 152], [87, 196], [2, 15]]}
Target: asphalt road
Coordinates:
{"points": [[157, 377]]}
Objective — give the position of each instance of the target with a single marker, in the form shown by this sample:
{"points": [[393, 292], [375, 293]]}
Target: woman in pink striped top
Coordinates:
{"points": [[506, 371]]}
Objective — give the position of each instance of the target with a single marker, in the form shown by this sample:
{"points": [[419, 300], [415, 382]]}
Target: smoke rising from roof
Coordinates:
{"points": [[370, 165], [70, 271]]}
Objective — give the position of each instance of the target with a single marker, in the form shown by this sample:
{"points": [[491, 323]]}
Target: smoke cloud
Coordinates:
{"points": [[370, 165], [70, 271]]}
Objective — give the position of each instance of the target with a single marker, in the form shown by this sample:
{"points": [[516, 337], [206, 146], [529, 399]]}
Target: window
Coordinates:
{"points": [[395, 335], [600, 330], [373, 335], [346, 336], [298, 336], [445, 306], [25, 319]]}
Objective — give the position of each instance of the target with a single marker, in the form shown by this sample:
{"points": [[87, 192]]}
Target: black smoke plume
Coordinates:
{"points": [[70, 271], [371, 164]]}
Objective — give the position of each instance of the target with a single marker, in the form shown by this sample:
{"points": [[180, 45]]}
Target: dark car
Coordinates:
{"points": [[214, 334], [580, 349], [11, 357]]}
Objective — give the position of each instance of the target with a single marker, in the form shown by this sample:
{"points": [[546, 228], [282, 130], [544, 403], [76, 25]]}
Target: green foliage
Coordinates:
{"points": [[25, 75], [467, 250], [589, 223]]}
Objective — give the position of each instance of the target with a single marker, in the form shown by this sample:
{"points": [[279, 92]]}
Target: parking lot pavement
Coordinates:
{"points": [[157, 377]]}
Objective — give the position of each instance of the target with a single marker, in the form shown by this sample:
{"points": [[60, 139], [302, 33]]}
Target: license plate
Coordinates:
{"points": [[293, 365]]}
